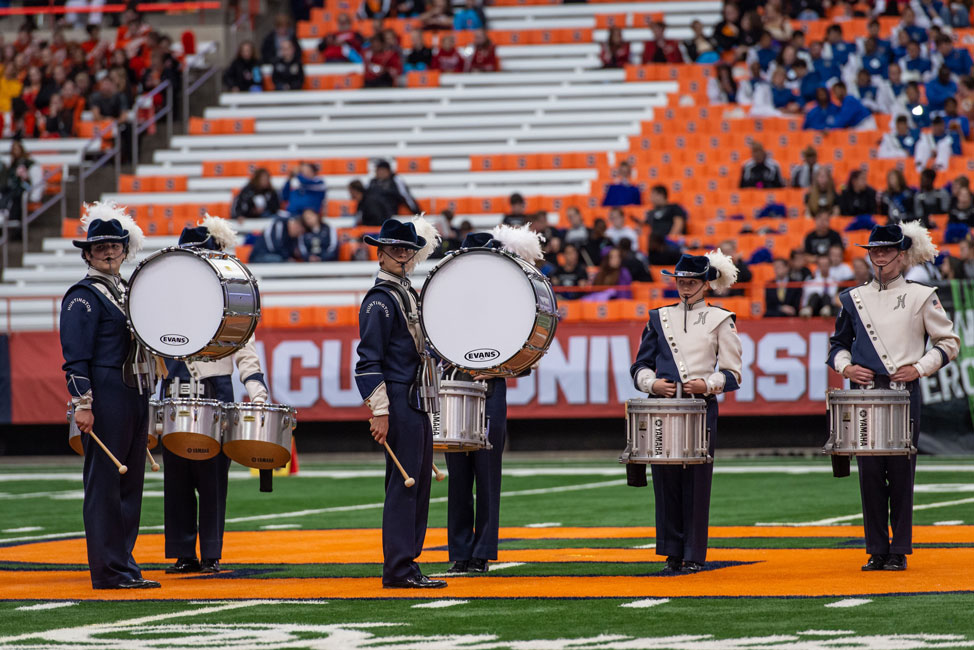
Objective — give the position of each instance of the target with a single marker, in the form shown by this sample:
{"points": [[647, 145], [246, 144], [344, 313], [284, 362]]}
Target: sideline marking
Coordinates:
{"points": [[544, 524], [280, 526], [850, 602], [837, 520], [40, 606], [23, 529], [653, 545], [648, 602], [440, 604], [951, 522], [825, 632], [500, 566]]}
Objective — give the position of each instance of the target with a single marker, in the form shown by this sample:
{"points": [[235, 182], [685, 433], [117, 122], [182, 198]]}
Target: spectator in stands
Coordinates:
{"points": [[356, 194], [857, 197], [438, 16], [744, 275], [797, 270], [59, 121], [838, 269], [383, 65], [484, 56], [278, 242], [660, 49], [516, 214], [867, 91], [722, 88], [470, 17], [577, 232], [375, 10], [861, 273], [612, 275], [917, 112], [760, 171], [819, 293], [258, 199], [18, 177], [966, 258], [384, 196], [622, 191], [963, 210], [896, 201], [447, 58], [776, 23], [597, 242], [802, 175], [319, 243], [10, 86], [304, 189], [915, 66], [283, 32], [779, 97], [615, 51], [109, 103], [851, 114], [288, 71], [700, 48], [930, 200], [821, 194], [570, 272], [954, 120], [781, 300], [634, 261], [666, 220], [822, 115], [618, 230], [957, 60], [420, 57], [940, 88], [940, 146], [344, 44], [727, 33], [244, 74]]}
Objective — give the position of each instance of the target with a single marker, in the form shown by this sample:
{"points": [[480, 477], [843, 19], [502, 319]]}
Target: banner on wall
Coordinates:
{"points": [[584, 375]]}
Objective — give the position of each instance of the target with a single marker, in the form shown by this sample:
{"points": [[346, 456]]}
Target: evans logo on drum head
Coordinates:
{"points": [[482, 354], [174, 339]]}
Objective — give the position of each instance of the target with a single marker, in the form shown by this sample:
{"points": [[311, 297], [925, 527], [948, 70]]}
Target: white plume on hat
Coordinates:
{"points": [[522, 241], [427, 231], [221, 231], [108, 210], [922, 249], [726, 270]]}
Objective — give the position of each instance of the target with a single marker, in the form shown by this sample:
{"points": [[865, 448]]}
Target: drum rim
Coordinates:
{"points": [[253, 406], [204, 254], [190, 401], [528, 271]]}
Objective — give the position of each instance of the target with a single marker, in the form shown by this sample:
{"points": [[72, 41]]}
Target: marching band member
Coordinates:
{"points": [[696, 345], [185, 478], [393, 375], [472, 532], [880, 337], [109, 377]]}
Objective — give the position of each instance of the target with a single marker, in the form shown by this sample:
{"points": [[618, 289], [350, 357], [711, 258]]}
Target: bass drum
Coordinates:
{"points": [[187, 303], [488, 312]]}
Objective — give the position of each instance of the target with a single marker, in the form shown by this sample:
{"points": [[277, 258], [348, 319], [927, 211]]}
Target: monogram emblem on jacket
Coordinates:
{"points": [[900, 302], [702, 318]]}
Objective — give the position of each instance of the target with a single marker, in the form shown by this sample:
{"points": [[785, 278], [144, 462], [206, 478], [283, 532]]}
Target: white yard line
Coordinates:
{"points": [[950, 522], [440, 604], [831, 521], [42, 606], [544, 524], [643, 604], [849, 602], [23, 529], [500, 566]]}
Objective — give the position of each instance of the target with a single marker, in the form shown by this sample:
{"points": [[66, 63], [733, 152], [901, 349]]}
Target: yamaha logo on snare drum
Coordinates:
{"points": [[863, 428], [482, 354], [658, 437], [174, 339]]}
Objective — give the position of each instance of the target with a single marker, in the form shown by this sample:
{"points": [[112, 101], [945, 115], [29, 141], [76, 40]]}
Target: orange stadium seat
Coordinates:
{"points": [[345, 166], [519, 161], [335, 316], [423, 78], [488, 163], [413, 164], [605, 21], [570, 310]]}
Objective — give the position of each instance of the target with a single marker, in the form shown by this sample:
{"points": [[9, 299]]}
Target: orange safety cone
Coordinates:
{"points": [[294, 457]]}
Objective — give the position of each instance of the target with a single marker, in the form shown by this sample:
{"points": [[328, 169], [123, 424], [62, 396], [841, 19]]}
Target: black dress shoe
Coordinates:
{"points": [[210, 566], [477, 565], [460, 566], [674, 564], [413, 582], [692, 567], [138, 583], [896, 562], [185, 565], [876, 562]]}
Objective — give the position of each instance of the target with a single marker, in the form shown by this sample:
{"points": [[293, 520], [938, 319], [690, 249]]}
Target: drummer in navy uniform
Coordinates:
{"points": [[109, 379], [880, 337], [696, 345], [392, 355], [472, 532], [184, 479]]}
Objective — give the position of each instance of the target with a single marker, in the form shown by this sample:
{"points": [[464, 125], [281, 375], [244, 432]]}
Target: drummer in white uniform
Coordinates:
{"points": [[880, 337], [695, 345], [185, 518]]}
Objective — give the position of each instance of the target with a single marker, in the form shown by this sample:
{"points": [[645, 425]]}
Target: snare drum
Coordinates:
{"points": [[489, 312], [186, 302], [259, 435], [666, 432], [154, 425], [869, 422], [191, 428], [461, 423]]}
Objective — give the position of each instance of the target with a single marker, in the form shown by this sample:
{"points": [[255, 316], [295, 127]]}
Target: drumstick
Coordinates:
{"points": [[152, 461], [121, 468], [439, 475], [408, 480]]}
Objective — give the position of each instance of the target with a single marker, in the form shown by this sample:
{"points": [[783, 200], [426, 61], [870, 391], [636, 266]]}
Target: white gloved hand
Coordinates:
{"points": [[257, 392]]}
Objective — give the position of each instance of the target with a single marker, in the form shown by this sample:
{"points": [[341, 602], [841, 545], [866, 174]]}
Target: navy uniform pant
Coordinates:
{"points": [[406, 509], [113, 501], [185, 480], [683, 503], [886, 488], [472, 530]]}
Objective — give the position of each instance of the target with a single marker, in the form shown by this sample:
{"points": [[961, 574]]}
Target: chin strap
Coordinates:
{"points": [[686, 304], [879, 271]]}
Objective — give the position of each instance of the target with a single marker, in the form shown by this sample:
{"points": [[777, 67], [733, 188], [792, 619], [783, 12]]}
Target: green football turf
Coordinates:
{"points": [[745, 493]]}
